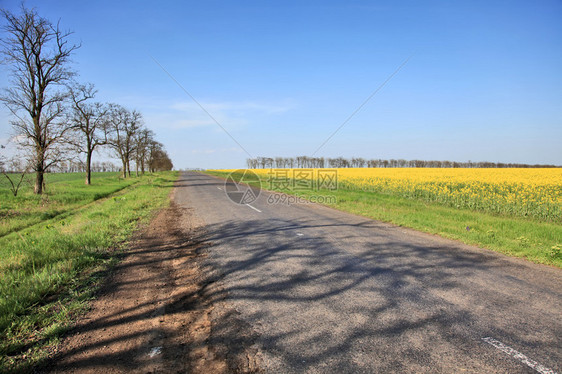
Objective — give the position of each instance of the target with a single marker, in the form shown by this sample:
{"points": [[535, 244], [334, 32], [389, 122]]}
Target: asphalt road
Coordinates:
{"points": [[329, 292]]}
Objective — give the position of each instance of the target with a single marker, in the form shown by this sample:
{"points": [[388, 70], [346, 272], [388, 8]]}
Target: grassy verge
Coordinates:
{"points": [[537, 241], [48, 270], [64, 193]]}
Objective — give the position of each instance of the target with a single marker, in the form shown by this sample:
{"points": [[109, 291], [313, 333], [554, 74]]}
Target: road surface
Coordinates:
{"points": [[329, 292]]}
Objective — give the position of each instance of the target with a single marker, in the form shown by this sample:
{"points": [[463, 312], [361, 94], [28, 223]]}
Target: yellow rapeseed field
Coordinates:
{"points": [[533, 193]]}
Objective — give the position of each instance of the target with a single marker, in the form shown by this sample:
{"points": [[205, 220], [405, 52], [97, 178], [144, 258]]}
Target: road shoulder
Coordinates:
{"points": [[154, 311]]}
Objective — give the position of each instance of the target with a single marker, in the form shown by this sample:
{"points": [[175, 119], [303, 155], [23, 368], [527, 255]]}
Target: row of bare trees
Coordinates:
{"points": [[73, 166], [54, 115], [93, 125], [158, 161], [340, 162]]}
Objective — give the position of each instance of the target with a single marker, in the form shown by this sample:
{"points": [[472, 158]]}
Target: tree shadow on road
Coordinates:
{"points": [[353, 297]]}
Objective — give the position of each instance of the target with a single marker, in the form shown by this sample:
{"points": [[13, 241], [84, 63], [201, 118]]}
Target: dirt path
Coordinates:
{"points": [[152, 315]]}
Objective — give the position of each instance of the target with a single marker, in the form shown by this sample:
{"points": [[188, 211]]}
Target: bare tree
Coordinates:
{"points": [[144, 139], [15, 175], [161, 161], [88, 122], [123, 127], [14, 171], [252, 163], [38, 53], [154, 149]]}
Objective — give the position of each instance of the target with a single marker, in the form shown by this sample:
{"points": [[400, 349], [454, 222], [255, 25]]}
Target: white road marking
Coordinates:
{"points": [[518, 356], [256, 209], [155, 351], [219, 188], [300, 234]]}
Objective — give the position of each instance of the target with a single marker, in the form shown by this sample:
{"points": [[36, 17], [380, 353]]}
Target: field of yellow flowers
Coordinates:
{"points": [[535, 193]]}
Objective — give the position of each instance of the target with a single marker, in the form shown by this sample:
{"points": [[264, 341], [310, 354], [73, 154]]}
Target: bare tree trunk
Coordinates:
{"points": [[39, 179], [124, 168], [88, 168], [39, 156]]}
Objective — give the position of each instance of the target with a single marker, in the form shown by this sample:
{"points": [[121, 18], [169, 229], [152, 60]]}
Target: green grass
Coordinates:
{"points": [[535, 240], [64, 193], [51, 262]]}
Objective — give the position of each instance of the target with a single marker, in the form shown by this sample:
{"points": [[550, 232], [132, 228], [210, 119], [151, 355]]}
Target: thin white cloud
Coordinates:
{"points": [[220, 150], [237, 107], [187, 114], [189, 123], [203, 151]]}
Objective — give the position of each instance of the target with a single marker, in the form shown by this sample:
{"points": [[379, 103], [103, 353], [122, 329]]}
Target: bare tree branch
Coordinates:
{"points": [[88, 122], [123, 128], [38, 53]]}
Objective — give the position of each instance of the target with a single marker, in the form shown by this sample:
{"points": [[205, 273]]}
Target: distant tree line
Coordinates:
{"points": [[56, 121], [160, 162], [340, 162], [71, 166]]}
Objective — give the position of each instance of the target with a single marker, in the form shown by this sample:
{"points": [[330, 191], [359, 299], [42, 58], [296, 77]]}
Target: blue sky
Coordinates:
{"points": [[484, 81]]}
